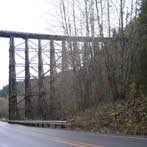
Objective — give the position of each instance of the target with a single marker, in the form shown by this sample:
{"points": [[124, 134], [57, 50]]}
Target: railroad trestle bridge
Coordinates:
{"points": [[34, 57]]}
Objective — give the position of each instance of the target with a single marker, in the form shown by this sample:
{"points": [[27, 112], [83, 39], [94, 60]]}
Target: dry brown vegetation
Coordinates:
{"points": [[3, 107], [126, 117]]}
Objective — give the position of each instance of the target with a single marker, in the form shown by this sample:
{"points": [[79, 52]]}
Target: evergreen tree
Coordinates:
{"points": [[143, 41]]}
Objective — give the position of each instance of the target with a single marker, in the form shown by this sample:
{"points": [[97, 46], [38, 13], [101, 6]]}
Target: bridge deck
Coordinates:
{"points": [[8, 34]]}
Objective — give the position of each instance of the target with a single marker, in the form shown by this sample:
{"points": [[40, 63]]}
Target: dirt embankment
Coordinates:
{"points": [[122, 117]]}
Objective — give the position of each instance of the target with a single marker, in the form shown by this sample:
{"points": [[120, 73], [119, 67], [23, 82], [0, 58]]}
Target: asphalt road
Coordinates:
{"points": [[21, 136]]}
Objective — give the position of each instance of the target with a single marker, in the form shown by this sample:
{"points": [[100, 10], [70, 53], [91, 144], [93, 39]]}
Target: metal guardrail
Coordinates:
{"points": [[41, 123]]}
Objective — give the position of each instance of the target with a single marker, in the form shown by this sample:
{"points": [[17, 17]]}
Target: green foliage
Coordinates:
{"points": [[143, 42], [20, 87], [4, 92], [136, 32]]}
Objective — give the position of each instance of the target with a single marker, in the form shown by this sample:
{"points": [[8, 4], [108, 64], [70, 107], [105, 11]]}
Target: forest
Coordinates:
{"points": [[105, 88]]}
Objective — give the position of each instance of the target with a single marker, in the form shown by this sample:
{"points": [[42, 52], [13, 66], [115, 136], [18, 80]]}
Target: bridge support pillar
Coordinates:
{"points": [[27, 82], [41, 88], [64, 57], [12, 82], [52, 81]]}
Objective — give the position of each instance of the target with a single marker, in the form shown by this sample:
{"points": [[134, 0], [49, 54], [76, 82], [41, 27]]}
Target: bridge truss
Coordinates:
{"points": [[33, 58]]}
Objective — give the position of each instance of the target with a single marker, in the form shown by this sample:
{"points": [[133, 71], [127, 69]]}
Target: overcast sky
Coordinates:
{"points": [[24, 16]]}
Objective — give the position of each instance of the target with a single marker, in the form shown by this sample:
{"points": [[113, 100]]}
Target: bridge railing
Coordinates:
{"points": [[40, 123]]}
